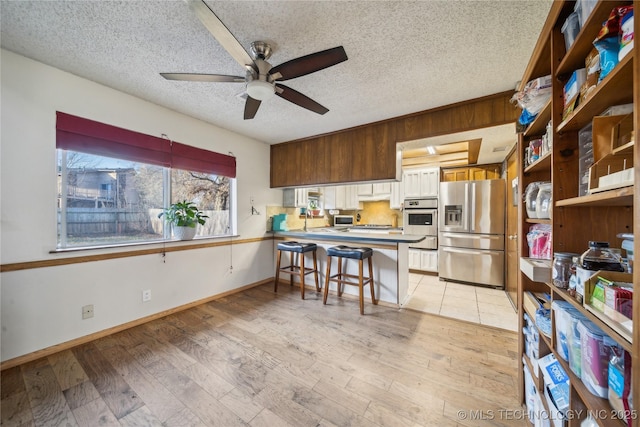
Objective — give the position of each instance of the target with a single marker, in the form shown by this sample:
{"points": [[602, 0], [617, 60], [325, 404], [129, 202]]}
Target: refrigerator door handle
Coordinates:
{"points": [[472, 219], [470, 251], [473, 236], [465, 208]]}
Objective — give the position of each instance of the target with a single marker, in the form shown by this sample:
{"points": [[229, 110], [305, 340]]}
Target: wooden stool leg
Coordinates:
{"points": [[339, 283], [373, 292], [315, 271], [291, 264], [275, 287], [360, 285], [326, 280], [301, 275]]}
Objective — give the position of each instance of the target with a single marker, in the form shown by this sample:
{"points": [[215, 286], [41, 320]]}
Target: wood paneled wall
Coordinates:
{"points": [[368, 152]]}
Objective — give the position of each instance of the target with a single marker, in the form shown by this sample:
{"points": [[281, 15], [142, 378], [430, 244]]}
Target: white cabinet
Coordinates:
{"points": [[350, 197], [428, 260], [297, 197], [374, 191], [423, 259], [341, 197], [396, 199], [420, 183], [365, 189], [429, 182]]}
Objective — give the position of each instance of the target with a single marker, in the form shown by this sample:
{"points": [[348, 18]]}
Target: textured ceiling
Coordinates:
{"points": [[404, 56]]}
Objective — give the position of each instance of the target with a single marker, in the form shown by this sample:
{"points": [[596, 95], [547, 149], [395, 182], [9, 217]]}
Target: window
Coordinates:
{"points": [[113, 183]]}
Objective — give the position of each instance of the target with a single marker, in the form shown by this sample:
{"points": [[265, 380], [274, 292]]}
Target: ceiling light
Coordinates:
{"points": [[260, 90], [431, 150]]}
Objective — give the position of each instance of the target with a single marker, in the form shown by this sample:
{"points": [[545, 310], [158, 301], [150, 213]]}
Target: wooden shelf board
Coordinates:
{"points": [[623, 340], [543, 163], [594, 403], [583, 44], [613, 90], [539, 125], [538, 221], [618, 197]]}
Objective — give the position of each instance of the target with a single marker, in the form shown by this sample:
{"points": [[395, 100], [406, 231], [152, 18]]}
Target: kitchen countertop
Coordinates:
{"points": [[339, 233]]}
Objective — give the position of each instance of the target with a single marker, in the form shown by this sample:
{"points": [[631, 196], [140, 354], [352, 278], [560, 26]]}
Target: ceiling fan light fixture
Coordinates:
{"points": [[260, 90]]}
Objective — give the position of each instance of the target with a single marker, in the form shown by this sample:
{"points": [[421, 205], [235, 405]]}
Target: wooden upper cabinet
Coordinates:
{"points": [[471, 173], [461, 174], [368, 152]]}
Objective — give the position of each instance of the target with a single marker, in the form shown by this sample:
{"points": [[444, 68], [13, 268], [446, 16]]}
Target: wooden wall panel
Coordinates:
{"points": [[368, 152]]}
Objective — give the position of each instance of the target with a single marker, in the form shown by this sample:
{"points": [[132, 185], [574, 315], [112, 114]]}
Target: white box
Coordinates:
{"points": [[538, 270], [619, 179]]}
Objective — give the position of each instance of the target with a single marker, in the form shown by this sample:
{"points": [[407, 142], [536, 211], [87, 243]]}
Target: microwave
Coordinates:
{"points": [[342, 220]]}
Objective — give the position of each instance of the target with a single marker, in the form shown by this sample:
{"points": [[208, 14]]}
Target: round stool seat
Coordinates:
{"points": [[297, 247], [350, 252]]}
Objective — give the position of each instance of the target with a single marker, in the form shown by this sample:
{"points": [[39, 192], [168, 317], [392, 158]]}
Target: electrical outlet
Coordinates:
{"points": [[146, 295], [87, 311]]}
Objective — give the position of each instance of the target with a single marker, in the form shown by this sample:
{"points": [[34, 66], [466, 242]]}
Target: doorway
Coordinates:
{"points": [[513, 201]]}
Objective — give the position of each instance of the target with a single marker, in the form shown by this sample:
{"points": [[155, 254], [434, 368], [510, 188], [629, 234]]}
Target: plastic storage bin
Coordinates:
{"points": [[585, 140], [563, 313], [543, 201], [596, 349], [584, 8], [574, 343], [570, 29], [627, 245]]}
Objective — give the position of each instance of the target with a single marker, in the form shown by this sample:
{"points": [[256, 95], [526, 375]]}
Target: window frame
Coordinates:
{"points": [[82, 135]]}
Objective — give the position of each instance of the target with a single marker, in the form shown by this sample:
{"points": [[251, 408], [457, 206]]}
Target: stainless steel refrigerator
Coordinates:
{"points": [[471, 232]]}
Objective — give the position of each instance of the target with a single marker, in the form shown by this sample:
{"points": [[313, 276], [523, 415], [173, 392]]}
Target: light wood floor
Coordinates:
{"points": [[264, 359]]}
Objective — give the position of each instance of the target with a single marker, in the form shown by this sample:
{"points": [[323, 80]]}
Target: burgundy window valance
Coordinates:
{"points": [[88, 136]]}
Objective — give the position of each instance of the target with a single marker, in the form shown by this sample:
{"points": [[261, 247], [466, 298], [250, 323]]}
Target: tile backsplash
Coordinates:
{"points": [[377, 212]]}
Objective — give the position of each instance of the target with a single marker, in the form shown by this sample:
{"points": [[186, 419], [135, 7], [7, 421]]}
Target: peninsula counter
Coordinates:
{"points": [[390, 258]]}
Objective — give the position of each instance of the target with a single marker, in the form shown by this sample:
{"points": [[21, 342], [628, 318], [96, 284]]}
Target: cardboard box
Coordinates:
{"points": [[607, 133], [614, 319], [612, 171], [571, 91]]}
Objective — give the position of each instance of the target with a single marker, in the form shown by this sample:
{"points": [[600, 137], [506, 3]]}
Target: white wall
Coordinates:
{"points": [[41, 307]]}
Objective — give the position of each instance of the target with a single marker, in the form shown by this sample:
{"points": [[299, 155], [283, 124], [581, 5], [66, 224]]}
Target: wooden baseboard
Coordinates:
{"points": [[106, 332]]}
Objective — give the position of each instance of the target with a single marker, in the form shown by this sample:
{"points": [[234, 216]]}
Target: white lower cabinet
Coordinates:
{"points": [[423, 259]]}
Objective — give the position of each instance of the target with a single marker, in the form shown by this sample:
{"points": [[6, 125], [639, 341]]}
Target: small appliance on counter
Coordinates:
{"points": [[343, 220], [279, 222]]}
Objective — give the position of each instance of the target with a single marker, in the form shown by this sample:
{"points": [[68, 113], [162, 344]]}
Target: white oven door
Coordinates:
{"points": [[421, 221]]}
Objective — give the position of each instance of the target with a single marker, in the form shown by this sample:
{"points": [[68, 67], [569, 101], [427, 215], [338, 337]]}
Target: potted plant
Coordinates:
{"points": [[184, 217], [313, 207]]}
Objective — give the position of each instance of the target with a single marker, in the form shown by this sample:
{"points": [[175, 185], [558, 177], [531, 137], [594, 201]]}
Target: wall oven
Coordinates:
{"points": [[421, 218]]}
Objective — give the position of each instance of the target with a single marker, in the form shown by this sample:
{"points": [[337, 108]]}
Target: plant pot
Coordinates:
{"points": [[184, 233]]}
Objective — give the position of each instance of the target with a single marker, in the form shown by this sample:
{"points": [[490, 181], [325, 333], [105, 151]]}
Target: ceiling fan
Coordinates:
{"points": [[262, 80]]}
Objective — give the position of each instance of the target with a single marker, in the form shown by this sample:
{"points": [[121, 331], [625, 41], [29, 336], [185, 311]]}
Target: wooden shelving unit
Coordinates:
{"points": [[577, 219]]}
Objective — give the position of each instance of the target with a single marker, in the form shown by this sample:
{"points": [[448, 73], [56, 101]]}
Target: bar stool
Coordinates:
{"points": [[299, 249], [347, 279]]}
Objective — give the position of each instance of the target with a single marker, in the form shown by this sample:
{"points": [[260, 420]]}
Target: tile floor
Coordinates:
{"points": [[486, 306]]}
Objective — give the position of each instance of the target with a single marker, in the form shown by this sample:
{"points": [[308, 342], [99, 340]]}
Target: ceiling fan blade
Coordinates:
{"points": [[310, 63], [251, 108], [221, 33], [297, 98], [190, 77]]}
